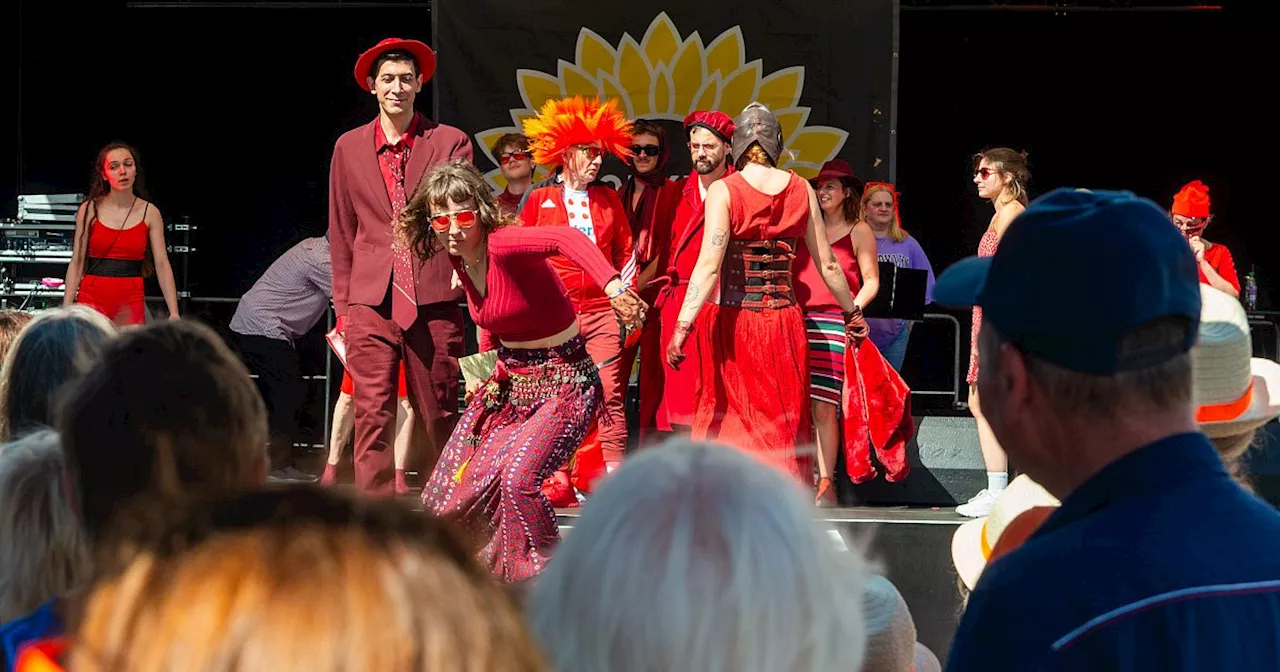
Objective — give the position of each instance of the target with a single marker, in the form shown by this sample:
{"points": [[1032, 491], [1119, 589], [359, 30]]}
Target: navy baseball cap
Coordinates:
{"points": [[1078, 271]]}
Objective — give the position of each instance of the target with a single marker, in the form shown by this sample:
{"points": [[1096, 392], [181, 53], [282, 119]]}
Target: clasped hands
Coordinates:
{"points": [[627, 305], [856, 328]]}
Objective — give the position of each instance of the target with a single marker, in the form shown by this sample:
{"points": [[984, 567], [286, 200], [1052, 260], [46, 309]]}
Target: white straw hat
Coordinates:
{"points": [[1234, 392], [974, 542]]}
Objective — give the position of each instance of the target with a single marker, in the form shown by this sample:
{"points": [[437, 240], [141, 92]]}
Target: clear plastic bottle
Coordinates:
{"points": [[1251, 291]]}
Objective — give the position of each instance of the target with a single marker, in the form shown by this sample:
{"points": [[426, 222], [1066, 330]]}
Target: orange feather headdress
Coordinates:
{"points": [[561, 124]]}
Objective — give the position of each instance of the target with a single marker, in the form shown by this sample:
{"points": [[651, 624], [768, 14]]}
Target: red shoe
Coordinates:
{"points": [[559, 489], [330, 476], [826, 497]]}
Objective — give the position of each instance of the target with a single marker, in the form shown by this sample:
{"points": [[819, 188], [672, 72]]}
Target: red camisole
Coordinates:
{"points": [[525, 300], [129, 243], [811, 290]]}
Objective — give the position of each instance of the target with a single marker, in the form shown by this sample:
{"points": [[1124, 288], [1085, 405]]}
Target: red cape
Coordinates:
{"points": [[877, 413]]}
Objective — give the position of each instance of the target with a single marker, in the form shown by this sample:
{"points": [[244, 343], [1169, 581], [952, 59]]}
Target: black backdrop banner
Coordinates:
{"points": [[825, 68]]}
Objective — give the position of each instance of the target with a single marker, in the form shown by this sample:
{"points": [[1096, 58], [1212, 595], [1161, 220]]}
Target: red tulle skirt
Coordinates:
{"points": [[753, 391]]}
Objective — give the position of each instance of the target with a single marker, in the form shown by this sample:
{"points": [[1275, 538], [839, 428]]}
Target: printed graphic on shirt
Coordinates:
{"points": [[899, 260], [579, 209]]}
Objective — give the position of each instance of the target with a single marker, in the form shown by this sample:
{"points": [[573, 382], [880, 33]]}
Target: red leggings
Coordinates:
{"points": [[120, 299]]}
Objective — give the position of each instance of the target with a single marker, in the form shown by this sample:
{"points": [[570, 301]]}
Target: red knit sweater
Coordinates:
{"points": [[525, 300]]}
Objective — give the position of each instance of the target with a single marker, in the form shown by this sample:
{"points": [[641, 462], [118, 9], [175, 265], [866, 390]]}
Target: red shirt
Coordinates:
{"points": [[525, 299], [509, 203], [398, 153], [1219, 258]]}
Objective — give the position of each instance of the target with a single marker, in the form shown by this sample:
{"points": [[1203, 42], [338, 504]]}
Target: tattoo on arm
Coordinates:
{"points": [[693, 291], [719, 238]]}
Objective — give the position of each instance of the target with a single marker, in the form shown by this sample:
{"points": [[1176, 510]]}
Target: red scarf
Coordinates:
{"points": [[876, 403], [694, 195], [641, 216]]}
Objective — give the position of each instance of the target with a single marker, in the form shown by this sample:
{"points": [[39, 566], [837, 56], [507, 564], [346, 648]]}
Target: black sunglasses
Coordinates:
{"points": [[647, 150]]}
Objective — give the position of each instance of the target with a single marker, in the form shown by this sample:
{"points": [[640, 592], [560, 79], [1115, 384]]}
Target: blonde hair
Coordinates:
{"points": [[57, 346], [697, 556], [43, 551], [299, 579], [896, 232], [754, 154]]}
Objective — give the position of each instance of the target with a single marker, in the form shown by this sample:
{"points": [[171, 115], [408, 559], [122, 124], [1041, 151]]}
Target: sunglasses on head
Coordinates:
{"points": [[985, 172], [508, 157], [646, 150], [465, 218]]}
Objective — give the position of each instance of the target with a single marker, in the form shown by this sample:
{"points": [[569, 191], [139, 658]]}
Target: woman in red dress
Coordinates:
{"points": [[525, 421], [754, 387], [119, 239]]}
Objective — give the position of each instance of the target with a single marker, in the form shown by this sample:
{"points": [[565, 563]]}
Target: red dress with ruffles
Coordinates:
{"points": [[753, 391]]}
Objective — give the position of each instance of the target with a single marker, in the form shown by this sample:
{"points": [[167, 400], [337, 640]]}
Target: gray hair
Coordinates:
{"points": [[55, 347], [1158, 387], [696, 556], [43, 550]]}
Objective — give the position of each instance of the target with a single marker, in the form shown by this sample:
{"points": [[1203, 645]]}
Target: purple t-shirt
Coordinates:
{"points": [[906, 254]]}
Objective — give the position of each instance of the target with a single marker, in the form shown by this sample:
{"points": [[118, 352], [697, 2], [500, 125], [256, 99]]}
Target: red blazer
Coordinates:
{"points": [[545, 207], [360, 226]]}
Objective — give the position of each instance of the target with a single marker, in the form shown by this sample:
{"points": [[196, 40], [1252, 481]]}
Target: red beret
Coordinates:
{"points": [[1192, 200], [715, 121]]}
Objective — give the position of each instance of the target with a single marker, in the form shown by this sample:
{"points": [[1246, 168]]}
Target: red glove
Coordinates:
{"points": [[675, 349]]}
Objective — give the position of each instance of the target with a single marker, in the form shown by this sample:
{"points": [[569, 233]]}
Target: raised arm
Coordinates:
{"points": [[342, 233], [75, 268], [545, 241]]}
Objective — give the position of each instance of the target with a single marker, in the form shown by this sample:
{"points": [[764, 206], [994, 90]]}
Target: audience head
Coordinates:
{"points": [[1001, 175], [1235, 393], [298, 578], [43, 552], [1119, 367], [891, 632], [168, 411], [1016, 514], [57, 346], [11, 324], [699, 557]]}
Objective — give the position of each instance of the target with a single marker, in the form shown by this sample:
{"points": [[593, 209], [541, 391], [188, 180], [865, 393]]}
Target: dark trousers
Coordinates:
{"points": [[275, 363], [429, 349]]}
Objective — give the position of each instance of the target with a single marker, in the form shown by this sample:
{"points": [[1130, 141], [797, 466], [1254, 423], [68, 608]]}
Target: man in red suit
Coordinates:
{"points": [[391, 308]]}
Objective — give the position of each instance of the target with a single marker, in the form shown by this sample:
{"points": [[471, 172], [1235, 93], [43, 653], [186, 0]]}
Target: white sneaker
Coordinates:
{"points": [[980, 505]]}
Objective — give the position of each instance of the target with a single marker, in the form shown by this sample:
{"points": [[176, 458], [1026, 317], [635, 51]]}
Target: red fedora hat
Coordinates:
{"points": [[839, 169], [421, 53]]}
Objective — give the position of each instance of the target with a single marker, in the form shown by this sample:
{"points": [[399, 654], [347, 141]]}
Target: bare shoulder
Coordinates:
{"points": [[153, 212]]}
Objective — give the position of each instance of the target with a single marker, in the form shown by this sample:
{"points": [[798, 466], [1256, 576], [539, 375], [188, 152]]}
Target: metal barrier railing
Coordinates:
{"points": [[956, 373]]}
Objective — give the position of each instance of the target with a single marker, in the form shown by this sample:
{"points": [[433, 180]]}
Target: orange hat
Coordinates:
{"points": [[561, 124], [1192, 200]]}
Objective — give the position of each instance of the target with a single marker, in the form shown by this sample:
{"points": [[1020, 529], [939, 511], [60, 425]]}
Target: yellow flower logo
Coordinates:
{"points": [[665, 76]]}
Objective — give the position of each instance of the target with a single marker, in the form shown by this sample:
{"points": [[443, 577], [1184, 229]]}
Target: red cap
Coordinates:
{"points": [[1192, 200], [421, 53], [715, 121]]}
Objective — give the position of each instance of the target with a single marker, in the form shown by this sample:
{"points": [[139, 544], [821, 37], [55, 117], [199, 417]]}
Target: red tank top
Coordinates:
{"points": [[811, 290], [108, 243], [755, 215]]}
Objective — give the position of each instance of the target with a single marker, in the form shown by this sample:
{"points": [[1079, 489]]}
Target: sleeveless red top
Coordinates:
{"points": [[755, 215], [811, 290], [107, 243]]}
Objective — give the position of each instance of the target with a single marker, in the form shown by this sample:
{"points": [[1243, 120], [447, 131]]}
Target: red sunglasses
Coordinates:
{"points": [[465, 219], [985, 172], [504, 159]]}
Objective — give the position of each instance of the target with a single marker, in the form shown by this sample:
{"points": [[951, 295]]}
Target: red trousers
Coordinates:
{"points": [[376, 347], [604, 340]]}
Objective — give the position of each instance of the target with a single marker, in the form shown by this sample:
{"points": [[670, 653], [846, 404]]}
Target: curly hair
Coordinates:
{"points": [[456, 181]]}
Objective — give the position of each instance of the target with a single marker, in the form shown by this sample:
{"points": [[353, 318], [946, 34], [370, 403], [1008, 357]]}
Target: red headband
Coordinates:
{"points": [[871, 187]]}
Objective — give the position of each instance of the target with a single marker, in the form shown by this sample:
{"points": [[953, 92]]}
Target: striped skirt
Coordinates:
{"points": [[825, 332]]}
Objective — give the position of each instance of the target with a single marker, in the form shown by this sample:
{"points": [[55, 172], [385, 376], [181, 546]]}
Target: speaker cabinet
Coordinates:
{"points": [[946, 468]]}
